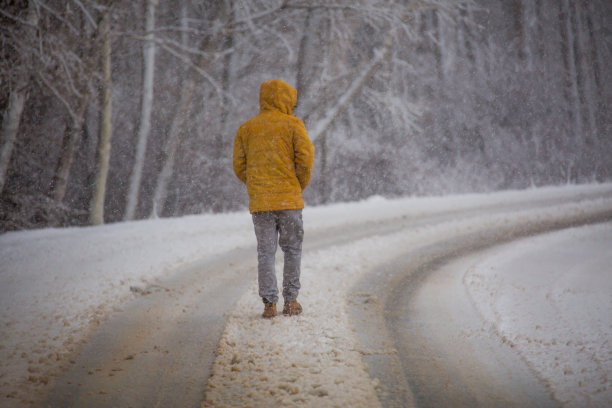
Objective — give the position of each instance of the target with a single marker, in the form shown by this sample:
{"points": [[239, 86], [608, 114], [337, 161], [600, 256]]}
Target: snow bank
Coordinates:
{"points": [[549, 297], [378, 208]]}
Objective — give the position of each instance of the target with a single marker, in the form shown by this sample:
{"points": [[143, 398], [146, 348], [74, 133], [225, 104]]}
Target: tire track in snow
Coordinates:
{"points": [[417, 375]]}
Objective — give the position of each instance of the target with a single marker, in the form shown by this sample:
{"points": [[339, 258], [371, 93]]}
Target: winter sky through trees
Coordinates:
{"points": [[117, 110]]}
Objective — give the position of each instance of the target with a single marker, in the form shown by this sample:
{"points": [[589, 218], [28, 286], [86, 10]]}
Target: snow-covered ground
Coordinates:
{"points": [[550, 298], [296, 361], [57, 284]]}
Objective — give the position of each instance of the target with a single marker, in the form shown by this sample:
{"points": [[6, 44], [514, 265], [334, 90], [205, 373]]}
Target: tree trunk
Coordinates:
{"points": [[145, 111], [173, 138], [300, 77], [586, 68], [228, 43], [518, 11], [572, 72], [172, 142], [596, 46], [70, 142], [446, 53], [16, 103], [10, 126], [96, 216], [311, 51]]}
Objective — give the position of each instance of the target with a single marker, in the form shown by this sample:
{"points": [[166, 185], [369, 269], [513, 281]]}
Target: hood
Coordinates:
{"points": [[276, 94]]}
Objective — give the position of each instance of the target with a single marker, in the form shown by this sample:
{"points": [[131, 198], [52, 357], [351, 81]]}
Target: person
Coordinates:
{"points": [[273, 156]]}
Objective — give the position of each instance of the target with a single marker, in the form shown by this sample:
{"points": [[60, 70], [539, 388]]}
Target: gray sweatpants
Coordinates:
{"points": [[282, 228]]}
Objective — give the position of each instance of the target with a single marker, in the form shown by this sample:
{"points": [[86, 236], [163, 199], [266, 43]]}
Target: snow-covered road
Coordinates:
{"points": [[439, 349], [101, 286], [548, 297]]}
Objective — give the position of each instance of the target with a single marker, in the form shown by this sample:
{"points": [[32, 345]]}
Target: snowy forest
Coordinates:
{"points": [[117, 110]]}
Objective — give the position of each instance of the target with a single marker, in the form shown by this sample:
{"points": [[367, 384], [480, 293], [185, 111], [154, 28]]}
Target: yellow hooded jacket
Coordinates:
{"points": [[273, 154]]}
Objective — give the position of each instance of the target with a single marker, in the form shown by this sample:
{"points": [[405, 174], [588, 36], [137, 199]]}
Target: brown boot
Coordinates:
{"points": [[269, 311], [292, 308]]}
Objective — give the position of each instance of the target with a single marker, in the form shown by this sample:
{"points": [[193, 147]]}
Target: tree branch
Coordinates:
{"points": [[87, 14], [196, 68], [379, 56], [57, 94]]}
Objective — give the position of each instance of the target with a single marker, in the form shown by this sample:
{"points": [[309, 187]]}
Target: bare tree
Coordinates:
{"points": [[146, 109], [19, 90], [74, 87], [173, 139], [96, 216], [568, 18], [70, 142]]}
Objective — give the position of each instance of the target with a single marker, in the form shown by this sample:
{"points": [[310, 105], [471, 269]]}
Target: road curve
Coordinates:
{"points": [[412, 309], [160, 347]]}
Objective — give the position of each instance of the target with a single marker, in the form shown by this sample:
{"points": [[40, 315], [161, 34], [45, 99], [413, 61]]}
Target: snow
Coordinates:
{"points": [[299, 360], [285, 362], [549, 297], [56, 285]]}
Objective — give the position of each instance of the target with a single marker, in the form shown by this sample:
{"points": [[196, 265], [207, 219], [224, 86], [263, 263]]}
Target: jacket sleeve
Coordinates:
{"points": [[304, 154], [239, 157]]}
